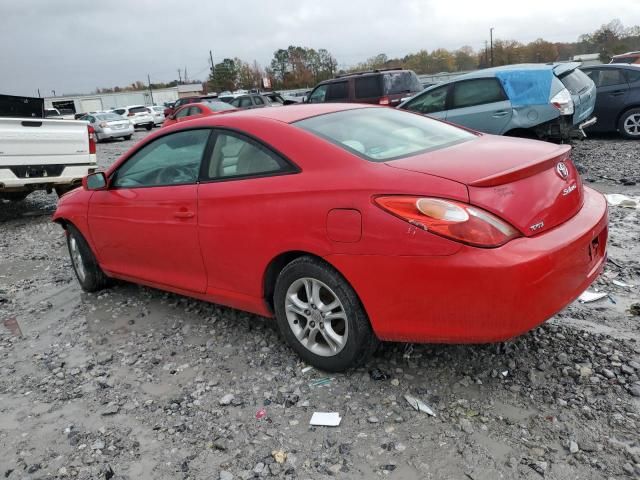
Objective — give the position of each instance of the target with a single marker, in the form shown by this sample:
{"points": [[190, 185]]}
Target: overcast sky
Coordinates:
{"points": [[74, 46]]}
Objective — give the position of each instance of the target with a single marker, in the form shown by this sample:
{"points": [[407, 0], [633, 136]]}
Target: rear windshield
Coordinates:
{"points": [[108, 117], [576, 81], [138, 110], [219, 106], [401, 82], [381, 134]]}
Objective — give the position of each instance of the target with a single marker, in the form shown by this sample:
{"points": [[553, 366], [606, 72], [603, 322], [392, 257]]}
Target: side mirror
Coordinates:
{"points": [[95, 181]]}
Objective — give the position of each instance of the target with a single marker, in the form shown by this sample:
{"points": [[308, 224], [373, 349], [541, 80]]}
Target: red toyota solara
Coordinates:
{"points": [[348, 223]]}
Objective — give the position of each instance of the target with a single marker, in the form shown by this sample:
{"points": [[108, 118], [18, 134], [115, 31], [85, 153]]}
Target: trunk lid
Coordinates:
{"points": [[532, 185]]}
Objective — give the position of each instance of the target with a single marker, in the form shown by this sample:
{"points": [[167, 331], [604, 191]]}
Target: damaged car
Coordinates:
{"points": [[348, 223], [543, 101]]}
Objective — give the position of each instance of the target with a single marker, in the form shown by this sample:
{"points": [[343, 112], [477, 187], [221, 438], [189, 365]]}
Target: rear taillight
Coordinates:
{"points": [[92, 139], [563, 102], [450, 219], [384, 101], [131, 114]]}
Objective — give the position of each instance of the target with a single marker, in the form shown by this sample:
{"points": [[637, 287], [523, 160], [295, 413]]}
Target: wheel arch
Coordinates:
{"points": [[625, 110], [277, 264]]}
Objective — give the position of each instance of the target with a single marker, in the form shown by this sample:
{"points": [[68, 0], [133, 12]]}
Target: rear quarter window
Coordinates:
{"points": [[367, 87]]}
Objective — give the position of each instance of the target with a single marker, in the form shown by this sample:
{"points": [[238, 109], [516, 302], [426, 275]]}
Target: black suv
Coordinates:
{"points": [[618, 98], [384, 87]]}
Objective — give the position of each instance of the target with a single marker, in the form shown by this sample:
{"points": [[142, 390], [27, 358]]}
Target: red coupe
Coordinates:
{"points": [[191, 111], [348, 223]]}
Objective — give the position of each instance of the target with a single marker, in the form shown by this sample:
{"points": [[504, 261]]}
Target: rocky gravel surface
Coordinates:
{"points": [[134, 383]]}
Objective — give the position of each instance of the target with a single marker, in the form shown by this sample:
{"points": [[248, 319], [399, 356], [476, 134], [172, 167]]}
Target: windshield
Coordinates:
{"points": [[401, 82], [381, 134], [576, 81], [219, 106], [108, 116]]}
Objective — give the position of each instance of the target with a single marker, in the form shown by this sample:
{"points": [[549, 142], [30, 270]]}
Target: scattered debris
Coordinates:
{"points": [[622, 284], [588, 297], [321, 381], [279, 456], [325, 419], [307, 369], [260, 414], [419, 405], [12, 325], [619, 200], [377, 374], [634, 309]]}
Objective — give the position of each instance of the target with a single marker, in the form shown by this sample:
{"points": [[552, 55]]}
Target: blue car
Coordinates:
{"points": [[547, 101]]}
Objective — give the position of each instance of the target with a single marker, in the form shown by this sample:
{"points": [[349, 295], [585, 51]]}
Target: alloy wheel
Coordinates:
{"points": [[76, 258], [316, 317], [632, 124]]}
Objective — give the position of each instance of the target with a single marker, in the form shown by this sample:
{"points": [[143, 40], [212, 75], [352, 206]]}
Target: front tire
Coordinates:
{"points": [[149, 127], [629, 124], [88, 272], [321, 317]]}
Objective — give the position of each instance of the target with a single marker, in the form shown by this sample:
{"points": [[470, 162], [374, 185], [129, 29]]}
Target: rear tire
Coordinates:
{"points": [[149, 127], [321, 317], [127, 137], [629, 124], [89, 274]]}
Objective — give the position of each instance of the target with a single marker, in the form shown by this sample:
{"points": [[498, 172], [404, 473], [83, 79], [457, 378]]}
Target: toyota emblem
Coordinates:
{"points": [[562, 170]]}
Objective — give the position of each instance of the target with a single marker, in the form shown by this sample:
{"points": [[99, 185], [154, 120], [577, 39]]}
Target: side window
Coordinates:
{"points": [[170, 160], [610, 76], [319, 94], [258, 100], [119, 111], [477, 92], [183, 113], [245, 102], [430, 102], [633, 75], [338, 91], [195, 110], [367, 87], [235, 155]]}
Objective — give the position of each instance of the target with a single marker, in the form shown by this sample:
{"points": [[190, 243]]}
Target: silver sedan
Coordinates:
{"points": [[109, 125]]}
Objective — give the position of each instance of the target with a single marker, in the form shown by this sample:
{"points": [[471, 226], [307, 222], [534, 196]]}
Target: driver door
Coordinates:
{"points": [[145, 225]]}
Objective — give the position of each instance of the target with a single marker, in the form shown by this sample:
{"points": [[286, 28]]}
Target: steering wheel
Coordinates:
{"points": [[169, 175]]}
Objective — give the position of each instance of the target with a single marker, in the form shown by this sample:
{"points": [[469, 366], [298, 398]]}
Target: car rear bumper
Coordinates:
{"points": [[481, 295], [115, 133], [70, 175]]}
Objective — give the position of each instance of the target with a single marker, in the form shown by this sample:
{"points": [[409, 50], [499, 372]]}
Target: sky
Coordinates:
{"points": [[74, 46]]}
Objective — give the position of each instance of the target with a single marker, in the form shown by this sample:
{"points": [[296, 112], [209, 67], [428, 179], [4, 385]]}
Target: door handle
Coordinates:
{"points": [[184, 214], [500, 113]]}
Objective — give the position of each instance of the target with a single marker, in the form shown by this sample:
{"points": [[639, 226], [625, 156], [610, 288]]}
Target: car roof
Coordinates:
{"points": [[630, 66], [293, 113]]}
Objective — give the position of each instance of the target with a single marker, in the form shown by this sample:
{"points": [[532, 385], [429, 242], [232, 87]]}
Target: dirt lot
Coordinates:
{"points": [[134, 383]]}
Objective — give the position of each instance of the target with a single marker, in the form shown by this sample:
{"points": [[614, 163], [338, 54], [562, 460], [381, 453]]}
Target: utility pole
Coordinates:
{"points": [[186, 77], [179, 76], [486, 54], [38, 93], [54, 92], [491, 40], [211, 59], [150, 91]]}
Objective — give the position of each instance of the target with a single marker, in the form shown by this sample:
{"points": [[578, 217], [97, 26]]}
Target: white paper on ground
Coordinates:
{"points": [[617, 199], [621, 284], [325, 419], [588, 296], [419, 405]]}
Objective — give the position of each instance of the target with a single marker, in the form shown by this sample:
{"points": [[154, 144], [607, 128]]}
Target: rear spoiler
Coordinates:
{"points": [[561, 69]]}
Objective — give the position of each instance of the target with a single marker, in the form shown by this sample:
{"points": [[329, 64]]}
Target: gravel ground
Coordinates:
{"points": [[135, 383]]}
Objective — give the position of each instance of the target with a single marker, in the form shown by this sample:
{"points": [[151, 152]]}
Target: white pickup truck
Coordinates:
{"points": [[42, 154]]}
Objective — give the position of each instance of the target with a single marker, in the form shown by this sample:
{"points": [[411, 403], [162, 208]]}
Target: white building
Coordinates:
{"points": [[106, 101]]}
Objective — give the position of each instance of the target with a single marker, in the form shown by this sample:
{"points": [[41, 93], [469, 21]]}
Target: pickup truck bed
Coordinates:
{"points": [[43, 154]]}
